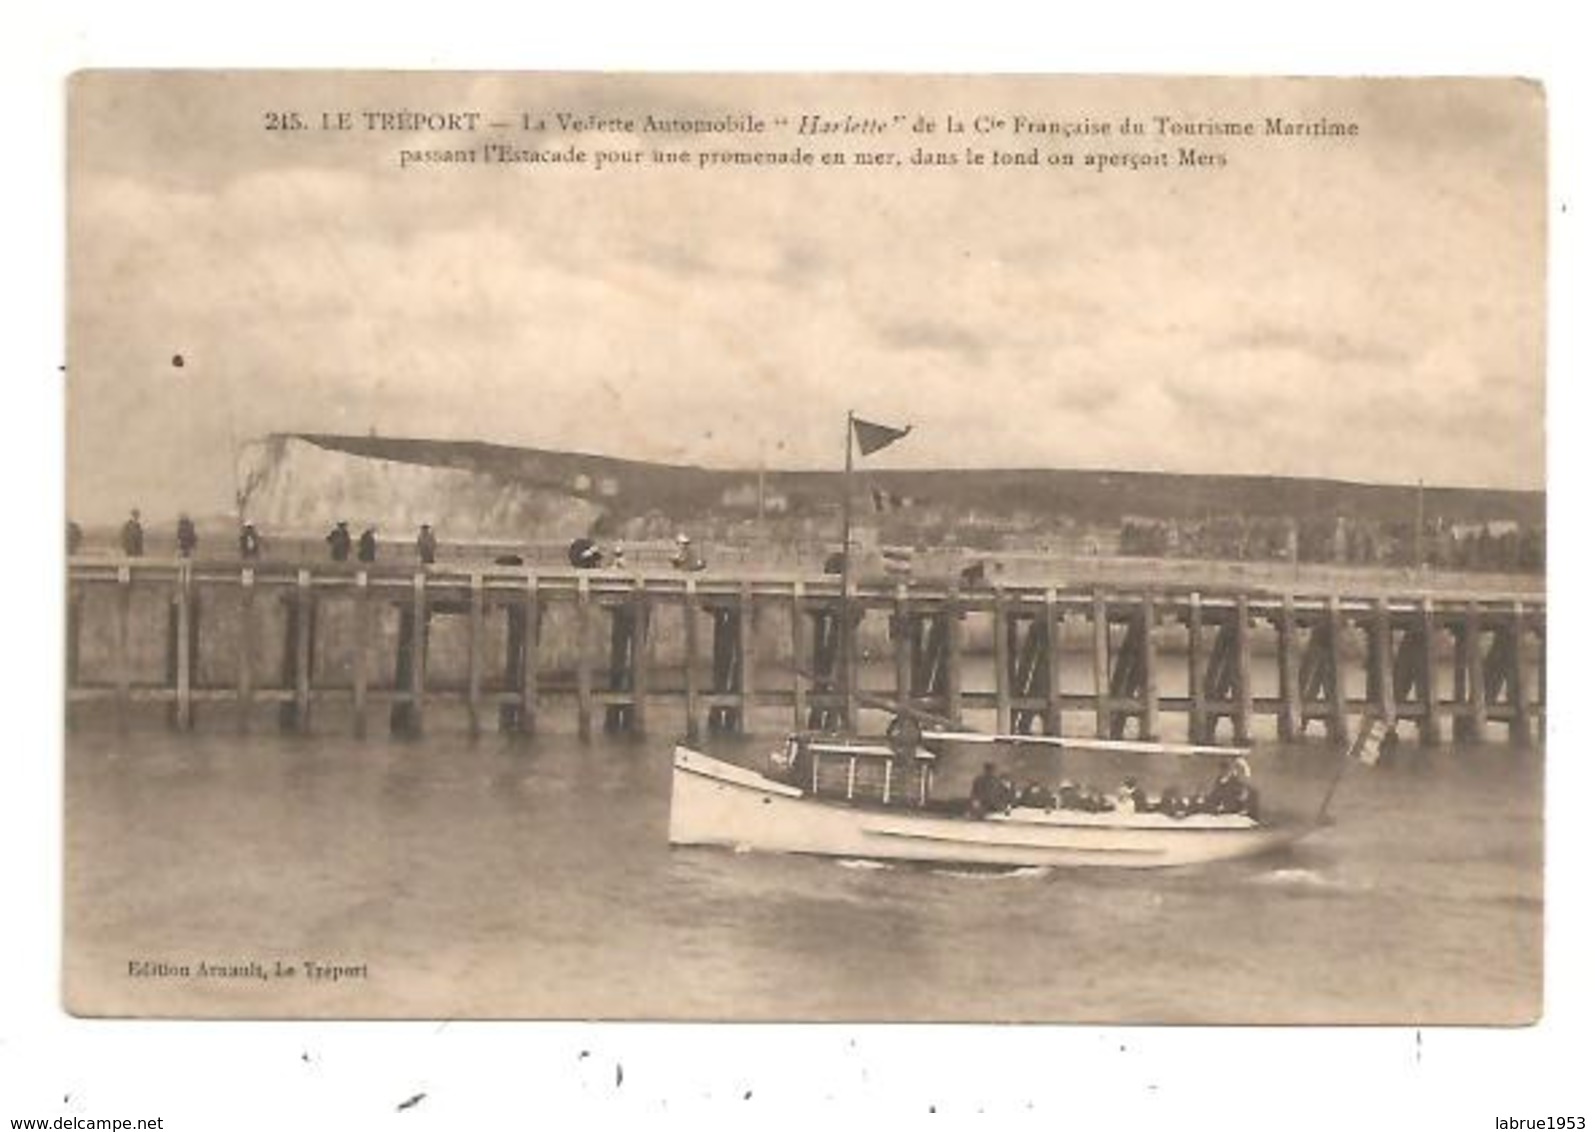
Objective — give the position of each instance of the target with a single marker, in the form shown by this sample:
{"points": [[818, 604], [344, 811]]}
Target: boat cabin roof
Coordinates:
{"points": [[854, 748]]}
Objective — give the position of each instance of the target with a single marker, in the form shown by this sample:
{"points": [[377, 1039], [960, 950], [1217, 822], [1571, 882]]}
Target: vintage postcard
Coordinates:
{"points": [[471, 612]]}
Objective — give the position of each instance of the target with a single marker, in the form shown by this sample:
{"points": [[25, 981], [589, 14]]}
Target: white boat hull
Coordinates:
{"points": [[717, 803]]}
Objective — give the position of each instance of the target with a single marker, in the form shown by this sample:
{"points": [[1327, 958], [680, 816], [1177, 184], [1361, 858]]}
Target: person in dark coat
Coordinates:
{"points": [[133, 536], [368, 545], [74, 537], [339, 542], [1036, 797], [426, 544], [1231, 793], [990, 793], [187, 537], [249, 542], [584, 554]]}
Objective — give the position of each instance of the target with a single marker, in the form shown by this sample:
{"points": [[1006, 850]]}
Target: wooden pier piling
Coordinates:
{"points": [[1429, 719], [1290, 720], [246, 646], [689, 608], [1053, 662], [584, 660], [1149, 682], [905, 647], [1471, 669], [621, 668], [362, 650], [476, 631], [802, 662], [1196, 676], [746, 658], [1516, 681], [641, 658], [1100, 658], [1001, 643], [1487, 650], [953, 658], [1382, 664], [531, 633], [183, 649], [1338, 726]]}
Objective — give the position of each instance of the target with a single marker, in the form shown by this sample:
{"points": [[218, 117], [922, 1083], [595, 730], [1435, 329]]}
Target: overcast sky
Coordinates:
{"points": [[1368, 309]]}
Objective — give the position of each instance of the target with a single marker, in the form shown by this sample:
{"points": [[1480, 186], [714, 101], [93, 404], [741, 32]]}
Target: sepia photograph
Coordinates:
{"points": [[805, 548]]}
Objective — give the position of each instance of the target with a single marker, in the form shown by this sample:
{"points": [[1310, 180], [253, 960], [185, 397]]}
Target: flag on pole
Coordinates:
{"points": [[873, 437]]}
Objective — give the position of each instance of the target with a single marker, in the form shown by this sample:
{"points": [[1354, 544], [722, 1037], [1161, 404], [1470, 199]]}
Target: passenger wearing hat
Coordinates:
{"points": [[368, 545], [426, 544], [249, 542]]}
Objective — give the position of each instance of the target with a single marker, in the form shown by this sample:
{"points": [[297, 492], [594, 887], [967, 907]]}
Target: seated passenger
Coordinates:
{"points": [[990, 793], [1173, 803], [1131, 799], [1070, 796], [1231, 793], [1036, 797]]}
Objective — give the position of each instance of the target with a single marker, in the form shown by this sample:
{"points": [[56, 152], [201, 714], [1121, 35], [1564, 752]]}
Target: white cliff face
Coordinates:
{"points": [[291, 484]]}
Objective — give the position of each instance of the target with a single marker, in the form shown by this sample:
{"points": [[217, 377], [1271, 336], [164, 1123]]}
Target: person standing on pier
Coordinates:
{"points": [[339, 542], [187, 537], [368, 545], [249, 542], [685, 557], [133, 536], [426, 545]]}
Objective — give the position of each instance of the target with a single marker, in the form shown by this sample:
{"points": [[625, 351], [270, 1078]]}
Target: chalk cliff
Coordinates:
{"points": [[294, 483]]}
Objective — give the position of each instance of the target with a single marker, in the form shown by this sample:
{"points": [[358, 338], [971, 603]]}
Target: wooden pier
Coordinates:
{"points": [[519, 642]]}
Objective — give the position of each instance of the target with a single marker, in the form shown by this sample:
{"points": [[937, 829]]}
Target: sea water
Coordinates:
{"points": [[507, 878]]}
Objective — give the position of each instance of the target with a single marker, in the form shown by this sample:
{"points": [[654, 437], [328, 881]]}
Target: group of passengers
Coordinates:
{"points": [[1230, 793]]}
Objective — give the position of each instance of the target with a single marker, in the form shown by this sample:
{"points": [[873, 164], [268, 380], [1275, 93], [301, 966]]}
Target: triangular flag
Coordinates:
{"points": [[873, 437]]}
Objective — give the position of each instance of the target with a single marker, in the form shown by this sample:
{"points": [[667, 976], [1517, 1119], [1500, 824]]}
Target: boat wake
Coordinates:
{"points": [[1000, 873], [862, 863], [1303, 880]]}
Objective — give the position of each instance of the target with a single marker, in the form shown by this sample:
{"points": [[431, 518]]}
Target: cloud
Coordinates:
{"points": [[939, 337], [1332, 348], [1236, 321]]}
